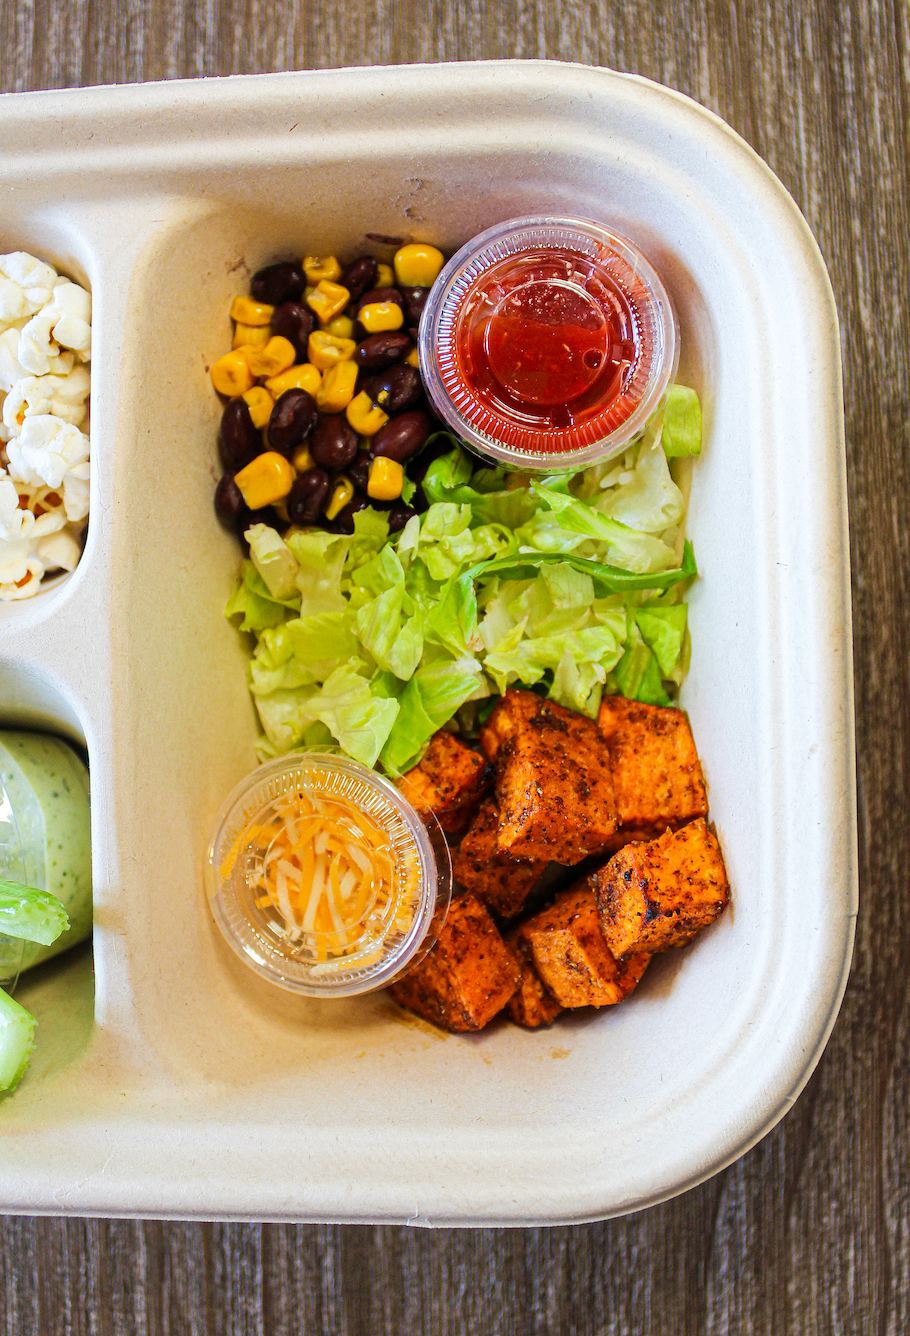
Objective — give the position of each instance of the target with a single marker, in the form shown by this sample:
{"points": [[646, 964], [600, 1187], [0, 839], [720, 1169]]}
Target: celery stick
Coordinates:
{"points": [[17, 1039], [27, 912]]}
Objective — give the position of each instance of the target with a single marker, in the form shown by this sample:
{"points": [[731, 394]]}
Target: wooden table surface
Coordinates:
{"points": [[810, 1231]]}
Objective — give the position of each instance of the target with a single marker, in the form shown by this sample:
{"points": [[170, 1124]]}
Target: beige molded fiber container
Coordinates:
{"points": [[185, 1086]]}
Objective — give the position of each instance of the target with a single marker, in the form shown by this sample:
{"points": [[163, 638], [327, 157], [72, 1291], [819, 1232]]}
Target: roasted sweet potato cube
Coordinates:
{"points": [[571, 956], [449, 782], [509, 717], [554, 783], [501, 882], [533, 1005], [656, 772], [469, 975], [658, 895]]}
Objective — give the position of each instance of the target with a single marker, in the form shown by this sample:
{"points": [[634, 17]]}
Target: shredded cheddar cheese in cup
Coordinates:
{"points": [[322, 876]]}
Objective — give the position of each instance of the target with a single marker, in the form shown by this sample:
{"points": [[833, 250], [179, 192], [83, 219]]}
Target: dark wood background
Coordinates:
{"points": [[810, 1231]]}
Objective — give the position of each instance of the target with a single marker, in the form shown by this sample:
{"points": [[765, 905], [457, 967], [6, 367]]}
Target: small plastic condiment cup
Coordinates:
{"points": [[393, 932], [546, 344]]}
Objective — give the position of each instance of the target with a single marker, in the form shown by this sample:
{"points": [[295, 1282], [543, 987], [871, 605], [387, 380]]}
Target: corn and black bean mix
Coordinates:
{"points": [[326, 411]]}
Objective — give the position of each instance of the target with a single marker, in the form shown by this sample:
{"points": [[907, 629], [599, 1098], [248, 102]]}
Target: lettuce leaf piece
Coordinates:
{"points": [[578, 686], [323, 641], [33, 915], [637, 674], [681, 433], [284, 717], [493, 496], [253, 601], [663, 630], [274, 561], [651, 501], [429, 700], [359, 721], [629, 549], [530, 659], [320, 558]]}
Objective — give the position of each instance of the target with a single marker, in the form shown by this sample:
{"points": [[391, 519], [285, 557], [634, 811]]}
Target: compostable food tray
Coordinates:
{"points": [[175, 1083]]}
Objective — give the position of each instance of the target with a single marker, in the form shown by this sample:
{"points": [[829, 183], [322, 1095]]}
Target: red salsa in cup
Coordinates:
{"points": [[548, 343]]}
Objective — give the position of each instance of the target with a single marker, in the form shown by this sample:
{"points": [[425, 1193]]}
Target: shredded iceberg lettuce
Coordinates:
{"points": [[368, 644]]}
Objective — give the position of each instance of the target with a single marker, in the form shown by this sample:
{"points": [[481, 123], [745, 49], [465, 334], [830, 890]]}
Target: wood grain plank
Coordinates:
{"points": [[809, 1231]]}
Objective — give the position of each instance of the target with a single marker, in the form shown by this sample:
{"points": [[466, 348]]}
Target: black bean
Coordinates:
{"points": [[359, 471], [277, 283], [240, 441], [294, 323], [359, 276], [402, 436], [292, 420], [229, 502], [415, 299], [382, 350], [379, 295], [395, 389], [309, 496], [334, 442], [399, 516], [344, 520]]}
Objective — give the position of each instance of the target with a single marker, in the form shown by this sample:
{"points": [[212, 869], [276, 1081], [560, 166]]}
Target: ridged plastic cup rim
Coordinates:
{"points": [[237, 813], [445, 300]]}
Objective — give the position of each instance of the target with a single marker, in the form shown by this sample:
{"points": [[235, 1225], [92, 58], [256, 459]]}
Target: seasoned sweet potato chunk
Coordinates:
{"points": [[554, 784], [571, 956], [655, 896], [449, 782], [469, 975], [501, 882], [656, 772], [533, 1005]]}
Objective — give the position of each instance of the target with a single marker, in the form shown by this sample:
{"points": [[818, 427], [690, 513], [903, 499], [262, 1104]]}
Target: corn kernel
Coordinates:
{"points": [[318, 267], [363, 417], [337, 388], [231, 374], [277, 355], [325, 350], [260, 403], [265, 480], [379, 316], [411, 359], [246, 311], [344, 490], [251, 336], [342, 327], [328, 300], [305, 376], [302, 459], [418, 266], [385, 276], [386, 479]]}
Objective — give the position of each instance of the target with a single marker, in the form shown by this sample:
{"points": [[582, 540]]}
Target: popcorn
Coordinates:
{"points": [[54, 453], [37, 351], [26, 285], [11, 369], [59, 550], [36, 396], [45, 337], [15, 523]]}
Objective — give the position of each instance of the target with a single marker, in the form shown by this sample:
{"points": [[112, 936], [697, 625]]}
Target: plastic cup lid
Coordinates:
{"points": [[547, 343]]}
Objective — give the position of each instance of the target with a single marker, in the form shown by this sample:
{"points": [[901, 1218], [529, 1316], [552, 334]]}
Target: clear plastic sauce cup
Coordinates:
{"points": [[323, 878], [547, 343]]}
